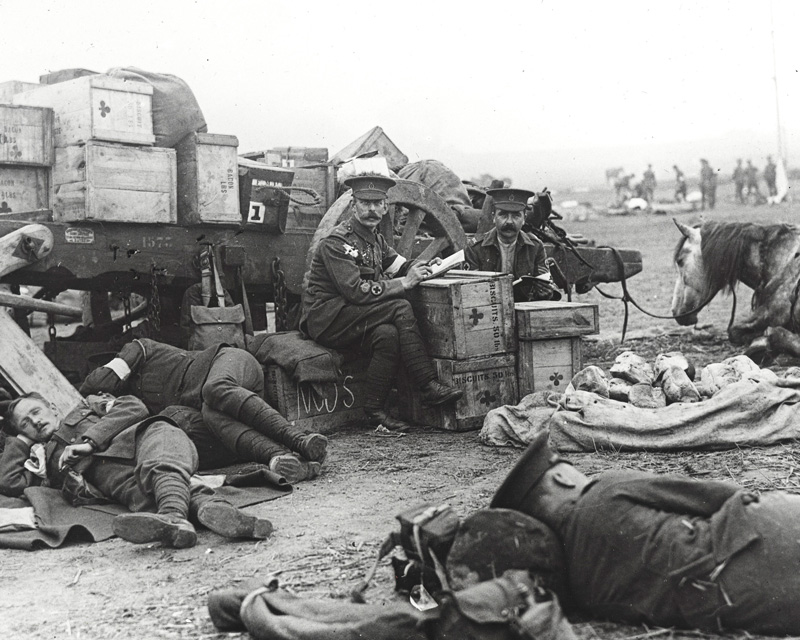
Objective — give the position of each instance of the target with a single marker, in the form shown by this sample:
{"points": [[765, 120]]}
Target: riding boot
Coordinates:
{"points": [[221, 517], [260, 416], [169, 526]]}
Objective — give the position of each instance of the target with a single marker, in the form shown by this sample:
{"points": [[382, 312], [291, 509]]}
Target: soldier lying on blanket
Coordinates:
{"points": [[125, 456]]}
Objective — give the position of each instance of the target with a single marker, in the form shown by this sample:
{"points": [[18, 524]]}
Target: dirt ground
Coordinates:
{"points": [[328, 531]]}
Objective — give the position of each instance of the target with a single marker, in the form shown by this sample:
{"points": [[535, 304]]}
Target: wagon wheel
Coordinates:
{"points": [[422, 204]]}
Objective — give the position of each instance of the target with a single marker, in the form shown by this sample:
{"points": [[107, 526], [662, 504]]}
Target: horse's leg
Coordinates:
{"points": [[781, 340], [746, 331]]}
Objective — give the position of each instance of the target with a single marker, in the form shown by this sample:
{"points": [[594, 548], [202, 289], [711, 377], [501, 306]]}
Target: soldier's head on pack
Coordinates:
{"points": [[509, 211], [370, 193], [542, 484]]}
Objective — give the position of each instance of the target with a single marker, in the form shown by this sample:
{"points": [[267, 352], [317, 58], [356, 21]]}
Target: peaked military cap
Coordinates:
{"points": [[530, 468], [510, 199], [370, 187]]}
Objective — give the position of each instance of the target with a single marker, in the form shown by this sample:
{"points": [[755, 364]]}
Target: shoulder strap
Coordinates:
{"points": [[248, 318], [205, 274], [217, 283]]}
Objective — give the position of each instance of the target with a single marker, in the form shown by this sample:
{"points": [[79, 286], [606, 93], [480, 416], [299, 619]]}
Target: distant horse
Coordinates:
{"points": [[715, 256]]}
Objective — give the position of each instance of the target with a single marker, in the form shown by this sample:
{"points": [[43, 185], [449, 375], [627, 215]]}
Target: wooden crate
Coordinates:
{"points": [[488, 383], [208, 179], [260, 203], [13, 87], [547, 364], [62, 75], [96, 108], [24, 189], [26, 136], [555, 319], [114, 182], [321, 412], [466, 314]]}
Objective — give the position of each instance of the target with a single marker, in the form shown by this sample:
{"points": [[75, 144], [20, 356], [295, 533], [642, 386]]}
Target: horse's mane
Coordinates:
{"points": [[724, 246]]}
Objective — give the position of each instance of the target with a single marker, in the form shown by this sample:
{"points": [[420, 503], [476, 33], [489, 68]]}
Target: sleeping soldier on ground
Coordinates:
{"points": [[110, 448], [665, 550]]}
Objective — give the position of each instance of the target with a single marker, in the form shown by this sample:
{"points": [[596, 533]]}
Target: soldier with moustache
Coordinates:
{"points": [[355, 299]]}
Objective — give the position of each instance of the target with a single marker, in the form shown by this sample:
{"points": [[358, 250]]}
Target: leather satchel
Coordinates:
{"points": [[211, 326]]}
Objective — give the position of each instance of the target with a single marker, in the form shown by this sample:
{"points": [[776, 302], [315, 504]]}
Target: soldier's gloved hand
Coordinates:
{"points": [[416, 274], [73, 453]]}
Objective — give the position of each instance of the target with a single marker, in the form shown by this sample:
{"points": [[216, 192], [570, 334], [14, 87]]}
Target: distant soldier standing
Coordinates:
{"points": [[649, 184], [739, 180], [680, 185], [770, 176], [752, 179], [708, 184]]}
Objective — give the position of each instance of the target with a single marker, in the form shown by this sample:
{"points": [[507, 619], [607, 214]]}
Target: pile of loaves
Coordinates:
{"points": [[670, 378]]}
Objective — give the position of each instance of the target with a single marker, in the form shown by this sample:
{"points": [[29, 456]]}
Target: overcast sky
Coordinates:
{"points": [[536, 91]]}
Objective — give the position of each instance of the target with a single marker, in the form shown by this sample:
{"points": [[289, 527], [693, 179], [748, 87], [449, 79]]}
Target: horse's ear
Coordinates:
{"points": [[686, 231]]}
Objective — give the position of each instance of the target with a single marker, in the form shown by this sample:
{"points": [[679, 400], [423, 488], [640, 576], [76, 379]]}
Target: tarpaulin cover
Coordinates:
{"points": [[438, 178], [758, 410]]}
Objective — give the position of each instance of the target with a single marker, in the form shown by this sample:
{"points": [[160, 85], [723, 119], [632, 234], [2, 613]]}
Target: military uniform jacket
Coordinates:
{"points": [[160, 374], [352, 266], [529, 260], [113, 434], [651, 548]]}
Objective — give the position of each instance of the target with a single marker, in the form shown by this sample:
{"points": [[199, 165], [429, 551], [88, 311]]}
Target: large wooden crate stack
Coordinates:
{"points": [[550, 342], [26, 153], [467, 320], [104, 164]]}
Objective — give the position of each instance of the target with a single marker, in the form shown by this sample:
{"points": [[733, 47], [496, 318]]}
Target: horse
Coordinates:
{"points": [[716, 256]]}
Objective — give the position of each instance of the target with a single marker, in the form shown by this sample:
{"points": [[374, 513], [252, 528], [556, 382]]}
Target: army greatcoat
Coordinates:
{"points": [[673, 551], [352, 265]]}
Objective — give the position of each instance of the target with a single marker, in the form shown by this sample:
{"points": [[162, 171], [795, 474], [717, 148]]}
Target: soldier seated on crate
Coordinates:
{"points": [[355, 300], [508, 249], [111, 449], [226, 385], [665, 550]]}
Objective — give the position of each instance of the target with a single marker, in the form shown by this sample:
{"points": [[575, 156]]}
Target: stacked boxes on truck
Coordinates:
{"points": [[26, 152]]}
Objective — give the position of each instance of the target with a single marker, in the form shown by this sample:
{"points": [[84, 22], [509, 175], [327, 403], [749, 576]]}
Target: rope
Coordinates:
{"points": [[627, 297], [317, 199]]}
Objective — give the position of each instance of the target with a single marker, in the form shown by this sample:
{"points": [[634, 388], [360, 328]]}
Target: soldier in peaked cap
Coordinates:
{"points": [[355, 300], [508, 249], [666, 549]]}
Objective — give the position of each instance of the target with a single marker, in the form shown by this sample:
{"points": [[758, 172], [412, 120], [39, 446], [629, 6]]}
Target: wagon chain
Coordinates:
{"points": [[279, 295], [627, 297], [154, 303]]}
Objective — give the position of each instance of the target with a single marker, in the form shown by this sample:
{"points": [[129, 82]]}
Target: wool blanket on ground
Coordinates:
{"points": [[59, 522], [756, 411]]}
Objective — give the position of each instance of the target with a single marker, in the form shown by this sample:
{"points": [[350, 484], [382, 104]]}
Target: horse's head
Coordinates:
{"points": [[691, 288]]}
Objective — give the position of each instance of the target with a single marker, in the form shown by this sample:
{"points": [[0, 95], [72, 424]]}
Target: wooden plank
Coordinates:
{"points": [[555, 319], [487, 383], [208, 179], [24, 189], [34, 304], [24, 246], [27, 369], [96, 107], [547, 364], [26, 135]]}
